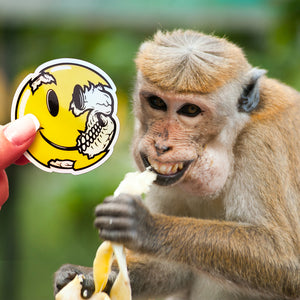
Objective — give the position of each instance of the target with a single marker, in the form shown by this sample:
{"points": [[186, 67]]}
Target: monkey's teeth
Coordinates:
{"points": [[166, 169]]}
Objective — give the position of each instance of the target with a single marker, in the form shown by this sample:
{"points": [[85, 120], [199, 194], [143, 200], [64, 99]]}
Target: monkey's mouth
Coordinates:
{"points": [[167, 173]]}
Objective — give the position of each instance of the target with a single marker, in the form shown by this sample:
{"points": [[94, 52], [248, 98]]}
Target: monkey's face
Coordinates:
{"points": [[174, 135]]}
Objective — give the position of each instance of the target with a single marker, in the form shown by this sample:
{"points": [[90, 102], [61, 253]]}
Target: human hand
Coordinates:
{"points": [[15, 138]]}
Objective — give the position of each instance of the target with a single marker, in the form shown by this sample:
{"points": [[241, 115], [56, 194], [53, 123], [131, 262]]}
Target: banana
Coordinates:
{"points": [[134, 183], [72, 291], [102, 265]]}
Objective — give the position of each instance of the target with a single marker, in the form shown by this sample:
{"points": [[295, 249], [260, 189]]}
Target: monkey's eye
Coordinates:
{"points": [[157, 103], [190, 110]]}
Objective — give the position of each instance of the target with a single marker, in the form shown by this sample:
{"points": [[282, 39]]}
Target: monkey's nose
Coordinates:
{"points": [[161, 149]]}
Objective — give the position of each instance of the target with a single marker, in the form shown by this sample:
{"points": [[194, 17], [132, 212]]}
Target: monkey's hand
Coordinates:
{"points": [[125, 220], [67, 273]]}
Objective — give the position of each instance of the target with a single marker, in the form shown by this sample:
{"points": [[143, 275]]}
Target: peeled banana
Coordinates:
{"points": [[134, 183], [101, 269]]}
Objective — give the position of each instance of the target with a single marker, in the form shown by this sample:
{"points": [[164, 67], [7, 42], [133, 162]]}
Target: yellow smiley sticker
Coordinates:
{"points": [[76, 105]]}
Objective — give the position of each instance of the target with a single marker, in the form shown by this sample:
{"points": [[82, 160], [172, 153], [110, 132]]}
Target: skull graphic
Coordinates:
{"points": [[100, 127]]}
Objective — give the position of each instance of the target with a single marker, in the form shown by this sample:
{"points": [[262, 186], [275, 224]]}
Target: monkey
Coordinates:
{"points": [[222, 220]]}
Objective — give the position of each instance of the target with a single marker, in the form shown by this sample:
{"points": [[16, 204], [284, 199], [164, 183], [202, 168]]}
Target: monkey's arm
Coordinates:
{"points": [[262, 258], [148, 276], [179, 277]]}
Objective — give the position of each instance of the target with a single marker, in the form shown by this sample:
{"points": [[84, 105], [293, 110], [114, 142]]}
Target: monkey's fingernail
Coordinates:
{"points": [[85, 293]]}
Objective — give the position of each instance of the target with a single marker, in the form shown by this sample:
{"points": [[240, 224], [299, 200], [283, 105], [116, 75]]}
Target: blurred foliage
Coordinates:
{"points": [[279, 51], [53, 213], [48, 219]]}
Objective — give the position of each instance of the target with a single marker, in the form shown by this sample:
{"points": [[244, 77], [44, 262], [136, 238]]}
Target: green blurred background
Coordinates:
{"points": [[48, 219]]}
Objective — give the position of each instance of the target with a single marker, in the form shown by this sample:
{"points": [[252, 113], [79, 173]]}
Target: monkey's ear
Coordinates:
{"points": [[250, 96]]}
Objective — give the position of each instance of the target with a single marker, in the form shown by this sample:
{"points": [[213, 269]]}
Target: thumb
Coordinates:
{"points": [[15, 138]]}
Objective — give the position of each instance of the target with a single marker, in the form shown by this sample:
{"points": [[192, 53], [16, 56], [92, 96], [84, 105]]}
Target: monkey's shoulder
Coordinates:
{"points": [[276, 100]]}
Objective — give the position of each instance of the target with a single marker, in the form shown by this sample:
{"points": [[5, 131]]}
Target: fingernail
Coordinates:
{"points": [[85, 294], [21, 130]]}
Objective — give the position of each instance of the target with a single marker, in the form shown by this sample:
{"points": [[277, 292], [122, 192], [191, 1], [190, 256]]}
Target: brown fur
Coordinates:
{"points": [[229, 228], [257, 247], [196, 62]]}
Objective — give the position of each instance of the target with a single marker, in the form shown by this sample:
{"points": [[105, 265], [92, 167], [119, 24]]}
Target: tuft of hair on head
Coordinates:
{"points": [[190, 61]]}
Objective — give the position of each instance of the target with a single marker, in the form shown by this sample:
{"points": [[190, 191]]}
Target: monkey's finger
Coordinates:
{"points": [[63, 276], [114, 210], [88, 288], [113, 223], [108, 199], [118, 236], [123, 198]]}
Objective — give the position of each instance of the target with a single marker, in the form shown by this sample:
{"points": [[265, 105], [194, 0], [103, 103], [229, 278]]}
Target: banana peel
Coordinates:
{"points": [[101, 269], [134, 183], [102, 265]]}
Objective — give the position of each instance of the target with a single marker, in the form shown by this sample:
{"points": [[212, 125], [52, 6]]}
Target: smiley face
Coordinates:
{"points": [[76, 104]]}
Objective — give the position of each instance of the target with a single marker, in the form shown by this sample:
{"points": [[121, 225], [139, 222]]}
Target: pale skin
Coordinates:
{"points": [[222, 219], [15, 138]]}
